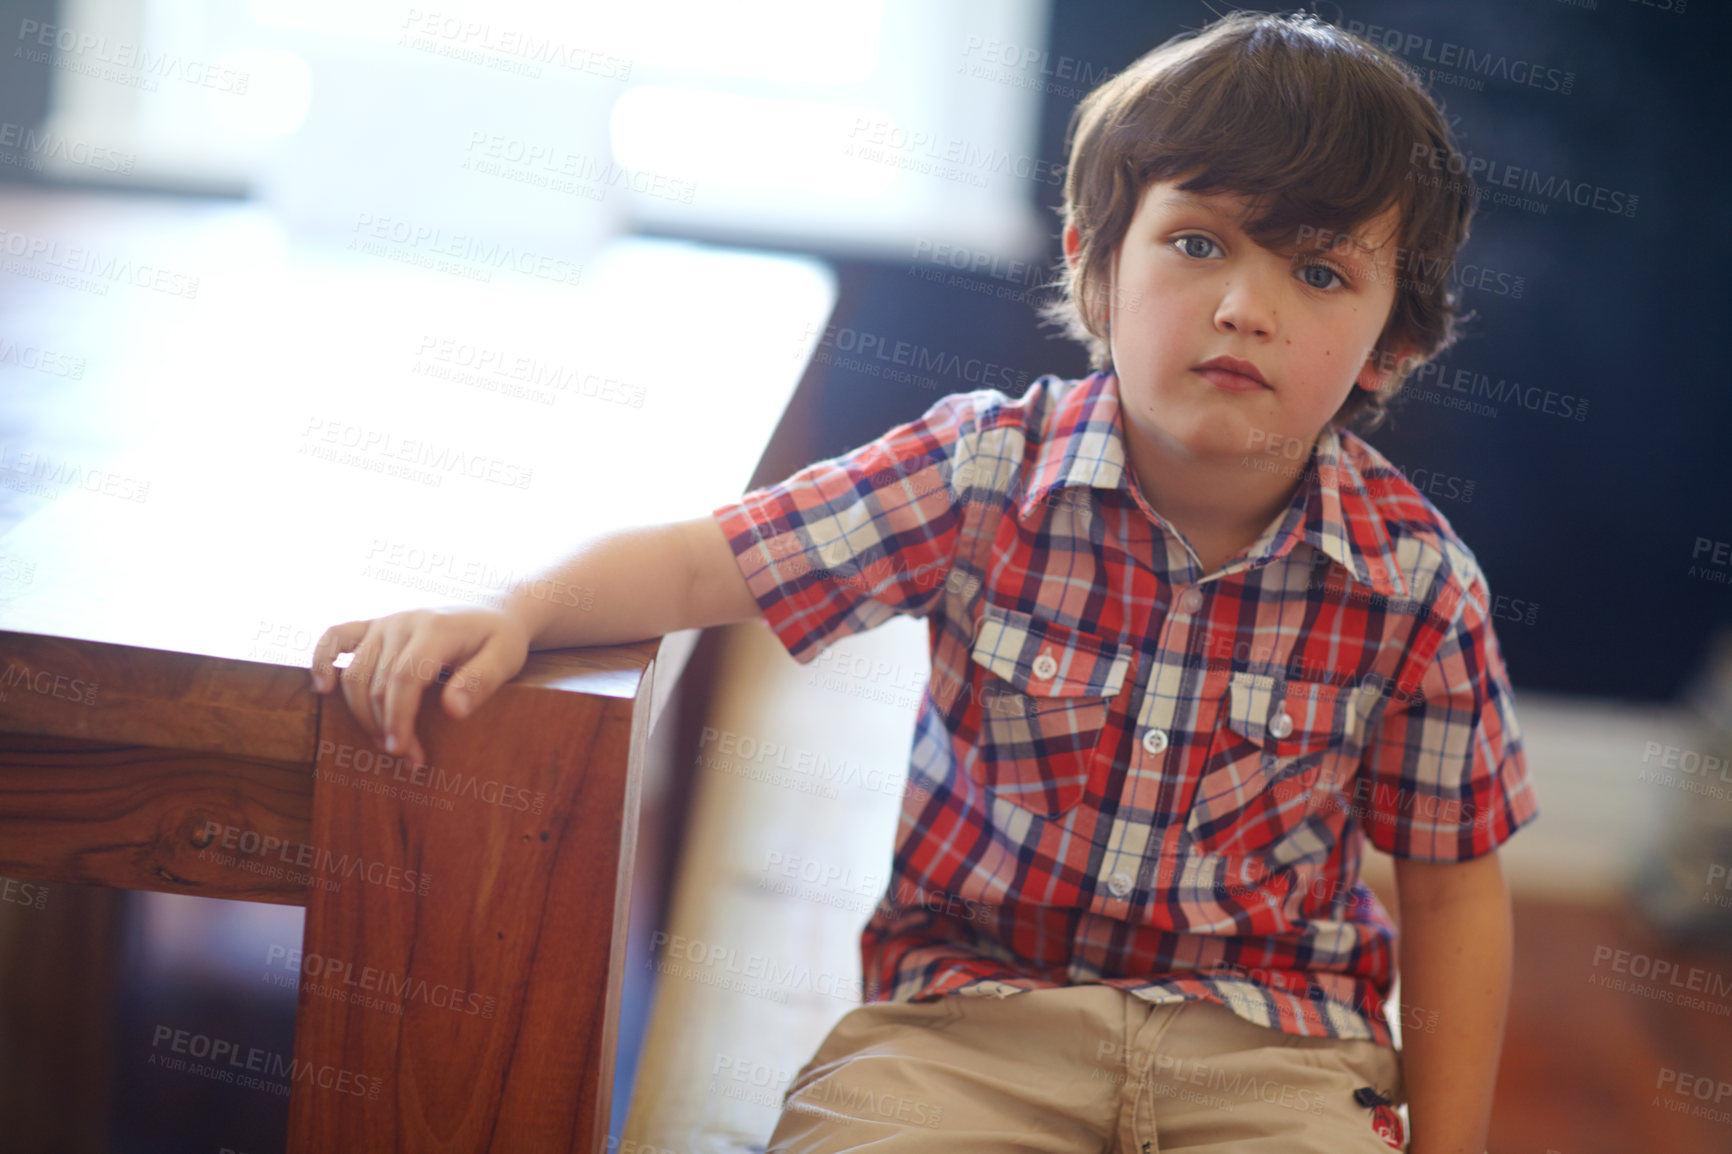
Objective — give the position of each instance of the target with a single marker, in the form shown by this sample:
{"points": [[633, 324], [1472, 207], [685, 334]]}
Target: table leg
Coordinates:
{"points": [[466, 928]]}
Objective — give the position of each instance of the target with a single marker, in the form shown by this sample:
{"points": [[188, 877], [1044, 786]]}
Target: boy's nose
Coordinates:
{"points": [[1244, 311]]}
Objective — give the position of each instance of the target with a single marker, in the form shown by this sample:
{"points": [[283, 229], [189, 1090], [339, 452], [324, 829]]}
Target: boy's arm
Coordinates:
{"points": [[892, 508], [1456, 945], [716, 593], [632, 584]]}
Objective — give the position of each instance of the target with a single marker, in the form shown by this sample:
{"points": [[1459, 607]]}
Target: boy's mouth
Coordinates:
{"points": [[1231, 373]]}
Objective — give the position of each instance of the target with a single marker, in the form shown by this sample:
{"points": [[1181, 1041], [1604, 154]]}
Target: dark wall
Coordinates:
{"points": [[1586, 529]]}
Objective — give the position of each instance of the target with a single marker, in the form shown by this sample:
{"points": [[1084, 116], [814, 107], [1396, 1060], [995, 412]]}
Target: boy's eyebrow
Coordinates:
{"points": [[1185, 199]]}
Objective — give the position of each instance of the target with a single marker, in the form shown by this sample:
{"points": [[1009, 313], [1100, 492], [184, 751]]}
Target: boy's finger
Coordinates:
{"points": [[397, 711], [357, 682], [337, 639], [475, 680], [403, 694], [396, 688]]}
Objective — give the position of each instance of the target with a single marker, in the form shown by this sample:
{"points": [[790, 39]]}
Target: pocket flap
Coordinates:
{"points": [[1302, 715], [1044, 659]]}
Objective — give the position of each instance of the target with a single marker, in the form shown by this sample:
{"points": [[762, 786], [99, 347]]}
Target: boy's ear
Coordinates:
{"points": [[1072, 244]]}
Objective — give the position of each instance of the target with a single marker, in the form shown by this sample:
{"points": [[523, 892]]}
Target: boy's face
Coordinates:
{"points": [[1189, 287]]}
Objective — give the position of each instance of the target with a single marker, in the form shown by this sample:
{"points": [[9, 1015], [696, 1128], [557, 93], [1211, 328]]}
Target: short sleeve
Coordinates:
{"points": [[1445, 778], [848, 542]]}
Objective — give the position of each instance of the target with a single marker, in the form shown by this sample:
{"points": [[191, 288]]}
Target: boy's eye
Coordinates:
{"points": [[1307, 272], [1315, 275], [1188, 245]]}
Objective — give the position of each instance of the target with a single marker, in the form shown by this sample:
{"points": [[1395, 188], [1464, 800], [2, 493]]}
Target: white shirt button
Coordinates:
{"points": [[1282, 725], [1191, 600], [1045, 666], [1154, 740], [1120, 884]]}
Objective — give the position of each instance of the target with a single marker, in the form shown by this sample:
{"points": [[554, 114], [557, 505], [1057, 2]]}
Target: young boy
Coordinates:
{"points": [[1192, 642]]}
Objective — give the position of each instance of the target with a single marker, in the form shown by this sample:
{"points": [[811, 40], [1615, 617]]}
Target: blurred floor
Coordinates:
{"points": [[1582, 1065]]}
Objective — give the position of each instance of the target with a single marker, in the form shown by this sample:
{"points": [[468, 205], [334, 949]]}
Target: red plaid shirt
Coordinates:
{"points": [[1126, 770]]}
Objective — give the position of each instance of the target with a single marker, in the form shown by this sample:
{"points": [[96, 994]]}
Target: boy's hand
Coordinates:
{"points": [[397, 657]]}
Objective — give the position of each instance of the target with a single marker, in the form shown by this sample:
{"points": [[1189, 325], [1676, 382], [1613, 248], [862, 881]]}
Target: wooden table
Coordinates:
{"points": [[206, 464]]}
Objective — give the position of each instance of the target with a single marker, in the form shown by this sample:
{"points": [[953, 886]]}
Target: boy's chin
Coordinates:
{"points": [[1212, 442]]}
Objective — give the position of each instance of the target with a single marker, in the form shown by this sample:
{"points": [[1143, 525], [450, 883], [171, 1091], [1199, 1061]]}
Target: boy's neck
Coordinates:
{"points": [[1221, 505]]}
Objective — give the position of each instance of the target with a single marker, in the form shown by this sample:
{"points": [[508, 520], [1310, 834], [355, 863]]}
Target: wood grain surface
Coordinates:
{"points": [[473, 1010]]}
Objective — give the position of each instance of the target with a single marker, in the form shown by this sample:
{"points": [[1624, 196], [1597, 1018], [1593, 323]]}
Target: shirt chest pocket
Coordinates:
{"points": [[1043, 692], [1281, 754]]}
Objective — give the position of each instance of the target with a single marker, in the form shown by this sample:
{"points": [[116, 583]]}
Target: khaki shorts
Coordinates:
{"points": [[1082, 1068]]}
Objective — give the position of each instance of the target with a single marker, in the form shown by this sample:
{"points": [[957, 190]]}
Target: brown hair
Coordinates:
{"points": [[1315, 126]]}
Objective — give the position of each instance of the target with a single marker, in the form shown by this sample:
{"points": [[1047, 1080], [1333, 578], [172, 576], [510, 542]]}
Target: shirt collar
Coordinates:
{"points": [[1332, 509]]}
